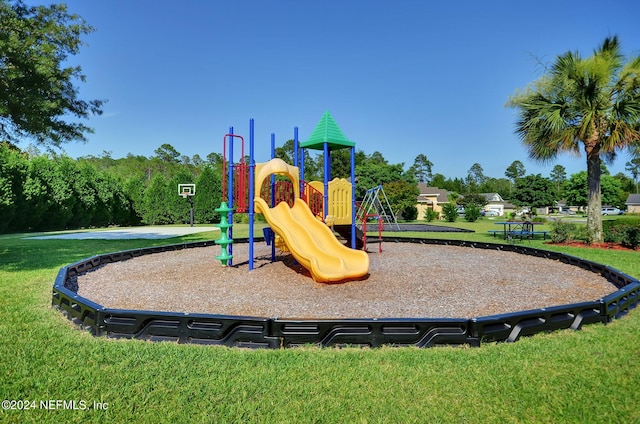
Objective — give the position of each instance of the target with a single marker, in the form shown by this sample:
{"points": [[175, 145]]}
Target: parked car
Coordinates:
{"points": [[611, 211], [491, 212], [460, 210]]}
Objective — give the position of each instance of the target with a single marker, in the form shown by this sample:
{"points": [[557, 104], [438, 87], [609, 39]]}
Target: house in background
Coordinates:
{"points": [[430, 198], [633, 203], [496, 203], [562, 207], [433, 198]]}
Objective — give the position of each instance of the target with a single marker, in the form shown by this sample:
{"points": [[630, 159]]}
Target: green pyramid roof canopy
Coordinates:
{"points": [[327, 131]]}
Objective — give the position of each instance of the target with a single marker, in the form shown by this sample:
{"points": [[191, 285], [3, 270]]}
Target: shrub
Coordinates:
{"points": [[631, 237], [623, 231], [581, 232], [612, 231], [450, 212], [471, 213], [410, 213], [430, 215], [240, 218], [562, 231]]}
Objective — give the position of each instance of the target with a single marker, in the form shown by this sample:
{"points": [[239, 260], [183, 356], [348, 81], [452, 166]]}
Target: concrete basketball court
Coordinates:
{"points": [[129, 233]]}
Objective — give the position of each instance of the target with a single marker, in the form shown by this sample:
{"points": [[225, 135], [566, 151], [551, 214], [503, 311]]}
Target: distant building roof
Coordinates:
{"points": [[426, 191], [492, 197], [633, 199]]}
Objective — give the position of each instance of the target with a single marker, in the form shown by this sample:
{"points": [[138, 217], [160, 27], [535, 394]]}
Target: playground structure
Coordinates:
{"points": [[310, 241], [300, 214]]}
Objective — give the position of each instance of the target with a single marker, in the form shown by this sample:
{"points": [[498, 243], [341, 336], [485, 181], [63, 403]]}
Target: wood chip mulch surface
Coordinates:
{"points": [[405, 281]]}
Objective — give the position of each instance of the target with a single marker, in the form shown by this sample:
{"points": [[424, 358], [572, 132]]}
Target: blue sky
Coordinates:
{"points": [[399, 77]]}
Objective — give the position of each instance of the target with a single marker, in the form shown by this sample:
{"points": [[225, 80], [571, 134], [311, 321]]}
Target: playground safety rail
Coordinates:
{"points": [[282, 191], [264, 332]]}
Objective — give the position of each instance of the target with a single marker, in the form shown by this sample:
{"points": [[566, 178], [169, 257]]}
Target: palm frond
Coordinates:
{"points": [[579, 101]]}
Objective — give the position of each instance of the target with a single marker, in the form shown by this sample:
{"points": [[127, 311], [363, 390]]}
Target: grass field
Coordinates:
{"points": [[49, 367]]}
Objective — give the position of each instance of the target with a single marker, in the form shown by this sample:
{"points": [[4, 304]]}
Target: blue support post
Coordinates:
{"points": [[252, 166], [301, 159], [302, 151], [273, 177], [296, 159], [353, 197], [295, 146], [273, 145], [273, 194]]}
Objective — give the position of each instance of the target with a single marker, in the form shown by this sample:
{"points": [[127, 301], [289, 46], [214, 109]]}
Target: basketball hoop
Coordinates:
{"points": [[187, 191]]}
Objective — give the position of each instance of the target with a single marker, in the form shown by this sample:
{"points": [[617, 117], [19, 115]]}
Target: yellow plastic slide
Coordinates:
{"points": [[310, 241], [313, 244]]}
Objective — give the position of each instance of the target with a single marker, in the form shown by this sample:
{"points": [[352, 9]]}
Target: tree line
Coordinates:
{"points": [[53, 192], [42, 192]]}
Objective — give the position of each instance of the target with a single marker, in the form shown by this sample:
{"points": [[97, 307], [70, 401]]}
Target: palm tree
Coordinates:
{"points": [[591, 104]]}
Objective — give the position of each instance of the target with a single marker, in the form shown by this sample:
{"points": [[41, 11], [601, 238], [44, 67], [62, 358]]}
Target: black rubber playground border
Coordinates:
{"points": [[257, 332], [424, 228]]}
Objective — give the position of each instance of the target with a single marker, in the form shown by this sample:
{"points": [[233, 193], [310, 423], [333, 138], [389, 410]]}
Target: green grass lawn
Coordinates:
{"points": [[586, 376]]}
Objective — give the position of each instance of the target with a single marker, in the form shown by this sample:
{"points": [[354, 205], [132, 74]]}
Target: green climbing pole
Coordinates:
{"points": [[224, 241]]}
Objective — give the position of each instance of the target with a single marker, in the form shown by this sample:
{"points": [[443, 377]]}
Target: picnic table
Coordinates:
{"points": [[522, 229]]}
